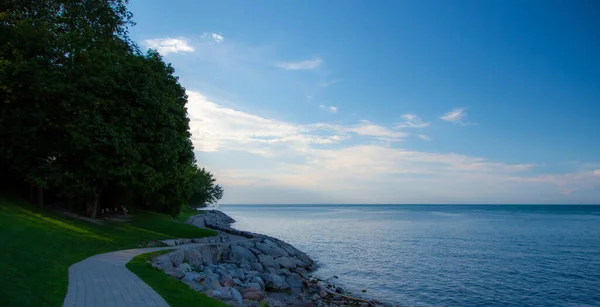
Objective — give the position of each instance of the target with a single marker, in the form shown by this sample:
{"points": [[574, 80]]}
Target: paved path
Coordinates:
{"points": [[103, 280]]}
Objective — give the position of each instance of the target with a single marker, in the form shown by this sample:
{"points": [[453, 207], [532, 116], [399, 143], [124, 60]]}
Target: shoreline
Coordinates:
{"points": [[244, 268]]}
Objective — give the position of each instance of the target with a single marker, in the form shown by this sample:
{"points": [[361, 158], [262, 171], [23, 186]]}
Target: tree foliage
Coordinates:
{"points": [[85, 113]]}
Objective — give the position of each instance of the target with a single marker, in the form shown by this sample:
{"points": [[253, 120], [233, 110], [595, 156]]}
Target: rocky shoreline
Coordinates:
{"points": [[250, 269]]}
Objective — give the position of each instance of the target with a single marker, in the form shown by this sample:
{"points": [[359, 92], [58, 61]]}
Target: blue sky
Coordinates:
{"points": [[388, 101]]}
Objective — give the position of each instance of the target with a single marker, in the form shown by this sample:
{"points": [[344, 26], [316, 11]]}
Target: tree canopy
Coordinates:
{"points": [[87, 116]]}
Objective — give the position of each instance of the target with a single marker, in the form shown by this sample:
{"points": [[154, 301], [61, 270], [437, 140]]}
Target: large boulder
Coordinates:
{"points": [[294, 282], [274, 282], [256, 266], [241, 254], [253, 294], [289, 262], [267, 261], [208, 282], [223, 293], [259, 281], [236, 295], [269, 247], [176, 257]]}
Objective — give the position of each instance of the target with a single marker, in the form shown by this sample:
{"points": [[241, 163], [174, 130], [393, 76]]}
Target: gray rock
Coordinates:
{"points": [[176, 257], [208, 282], [191, 276], [259, 281], [253, 285], [322, 293], [256, 266], [241, 254], [236, 295], [253, 294], [316, 297], [273, 302], [289, 262], [271, 248], [268, 261], [274, 282], [246, 266], [184, 267], [222, 293], [294, 282]]}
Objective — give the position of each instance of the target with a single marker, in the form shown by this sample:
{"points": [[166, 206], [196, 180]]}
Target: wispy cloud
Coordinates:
{"points": [[169, 45], [329, 83], [457, 116], [213, 37], [423, 137], [412, 121], [301, 65], [332, 109], [347, 163]]}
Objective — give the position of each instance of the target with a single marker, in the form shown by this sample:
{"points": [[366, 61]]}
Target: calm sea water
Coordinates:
{"points": [[446, 255]]}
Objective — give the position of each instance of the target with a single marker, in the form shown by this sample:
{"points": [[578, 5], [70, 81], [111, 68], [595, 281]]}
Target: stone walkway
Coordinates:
{"points": [[103, 280]]}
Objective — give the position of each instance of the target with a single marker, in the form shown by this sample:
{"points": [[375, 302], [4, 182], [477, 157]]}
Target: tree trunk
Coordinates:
{"points": [[40, 197], [31, 192], [96, 193], [70, 202]]}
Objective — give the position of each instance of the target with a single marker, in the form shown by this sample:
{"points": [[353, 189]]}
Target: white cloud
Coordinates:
{"points": [[457, 116], [423, 137], [412, 121], [343, 162], [213, 37], [169, 45], [332, 109], [301, 65], [597, 172], [329, 83]]}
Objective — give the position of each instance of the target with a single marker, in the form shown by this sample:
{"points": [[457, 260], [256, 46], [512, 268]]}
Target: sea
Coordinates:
{"points": [[445, 255]]}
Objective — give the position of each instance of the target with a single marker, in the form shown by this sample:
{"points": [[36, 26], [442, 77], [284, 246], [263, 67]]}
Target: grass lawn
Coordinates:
{"points": [[38, 246], [176, 293]]}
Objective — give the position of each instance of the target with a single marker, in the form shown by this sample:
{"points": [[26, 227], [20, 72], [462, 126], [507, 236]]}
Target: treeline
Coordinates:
{"points": [[87, 117]]}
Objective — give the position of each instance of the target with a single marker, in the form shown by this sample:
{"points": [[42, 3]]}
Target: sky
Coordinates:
{"points": [[388, 102]]}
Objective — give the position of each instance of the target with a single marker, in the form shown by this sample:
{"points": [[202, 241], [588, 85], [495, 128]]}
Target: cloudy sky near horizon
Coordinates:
{"points": [[388, 102]]}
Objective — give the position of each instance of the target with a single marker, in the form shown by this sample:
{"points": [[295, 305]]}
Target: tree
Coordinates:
{"points": [[205, 190]]}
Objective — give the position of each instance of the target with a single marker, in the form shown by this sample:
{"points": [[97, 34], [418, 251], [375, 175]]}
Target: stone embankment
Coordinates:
{"points": [[245, 269]]}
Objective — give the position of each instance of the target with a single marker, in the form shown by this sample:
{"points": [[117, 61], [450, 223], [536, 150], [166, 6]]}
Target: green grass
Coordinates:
{"points": [[38, 246], [172, 290], [187, 212]]}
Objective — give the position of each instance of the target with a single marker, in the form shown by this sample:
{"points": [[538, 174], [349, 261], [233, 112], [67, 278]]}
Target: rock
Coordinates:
{"points": [[222, 293], [235, 294], [240, 254], [253, 285], [271, 248], [316, 297], [253, 294], [251, 274], [176, 257], [185, 267], [238, 282], [339, 290], [289, 262], [294, 282], [273, 302], [259, 281], [191, 276], [268, 261], [256, 266], [227, 282], [322, 293], [274, 282], [208, 282], [246, 266]]}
